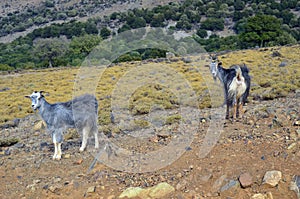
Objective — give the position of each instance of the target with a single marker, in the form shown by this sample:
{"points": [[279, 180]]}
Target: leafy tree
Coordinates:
{"points": [[238, 15], [211, 12], [114, 16], [213, 24], [49, 3], [158, 20], [184, 23], [81, 46], [202, 33], [239, 5], [105, 33], [259, 30], [171, 13], [193, 16], [124, 28], [152, 53], [90, 27], [72, 13], [49, 51], [148, 15], [39, 20], [61, 16], [287, 16], [131, 56], [136, 22], [284, 39]]}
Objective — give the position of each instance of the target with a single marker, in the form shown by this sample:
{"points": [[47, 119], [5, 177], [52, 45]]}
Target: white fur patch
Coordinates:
{"points": [[237, 87], [36, 95]]}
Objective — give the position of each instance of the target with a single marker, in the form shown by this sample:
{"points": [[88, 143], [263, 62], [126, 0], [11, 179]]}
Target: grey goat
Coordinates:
{"points": [[80, 112], [236, 85]]}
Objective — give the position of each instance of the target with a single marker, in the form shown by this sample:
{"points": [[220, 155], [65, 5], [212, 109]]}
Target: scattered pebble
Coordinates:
{"points": [[181, 185], [283, 64], [179, 175], [297, 123], [111, 197], [53, 189], [262, 196], [67, 156], [78, 161], [291, 146], [56, 179], [91, 189], [19, 145]]}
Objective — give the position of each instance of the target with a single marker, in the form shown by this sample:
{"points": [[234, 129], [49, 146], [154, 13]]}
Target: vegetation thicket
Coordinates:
{"points": [[255, 24]]}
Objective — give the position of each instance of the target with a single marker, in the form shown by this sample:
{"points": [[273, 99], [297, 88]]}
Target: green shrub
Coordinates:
{"points": [[5, 67]]}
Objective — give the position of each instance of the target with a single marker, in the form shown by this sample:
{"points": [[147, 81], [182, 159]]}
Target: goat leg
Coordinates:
{"points": [[57, 138], [58, 156], [96, 140], [240, 110], [234, 112], [84, 139], [55, 151], [227, 112]]}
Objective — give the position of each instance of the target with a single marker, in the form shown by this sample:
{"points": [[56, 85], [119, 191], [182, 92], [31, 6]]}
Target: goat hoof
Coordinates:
{"points": [[56, 157]]}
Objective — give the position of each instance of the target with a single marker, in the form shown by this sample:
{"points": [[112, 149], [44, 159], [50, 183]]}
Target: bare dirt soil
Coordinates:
{"points": [[267, 138]]}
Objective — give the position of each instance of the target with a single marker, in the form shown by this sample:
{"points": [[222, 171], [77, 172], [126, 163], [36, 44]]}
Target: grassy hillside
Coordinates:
{"points": [[269, 80]]}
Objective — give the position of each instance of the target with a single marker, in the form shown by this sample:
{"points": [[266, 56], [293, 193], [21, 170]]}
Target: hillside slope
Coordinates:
{"points": [[265, 139], [88, 8]]}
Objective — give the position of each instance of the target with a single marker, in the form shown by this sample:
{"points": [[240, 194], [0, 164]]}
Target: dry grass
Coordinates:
{"points": [[165, 83], [269, 80]]}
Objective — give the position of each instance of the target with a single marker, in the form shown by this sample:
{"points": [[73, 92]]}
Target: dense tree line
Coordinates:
{"points": [[256, 23]]}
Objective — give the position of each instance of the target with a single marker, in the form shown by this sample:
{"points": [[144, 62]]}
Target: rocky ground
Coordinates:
{"points": [[255, 157]]}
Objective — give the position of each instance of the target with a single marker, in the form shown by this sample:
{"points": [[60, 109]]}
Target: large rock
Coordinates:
{"points": [[131, 192], [39, 125], [245, 180], [232, 184], [218, 183], [272, 178], [159, 191]]}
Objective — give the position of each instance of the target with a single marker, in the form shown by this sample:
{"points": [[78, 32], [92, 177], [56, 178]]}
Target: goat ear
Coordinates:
{"points": [[27, 96], [220, 64]]}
